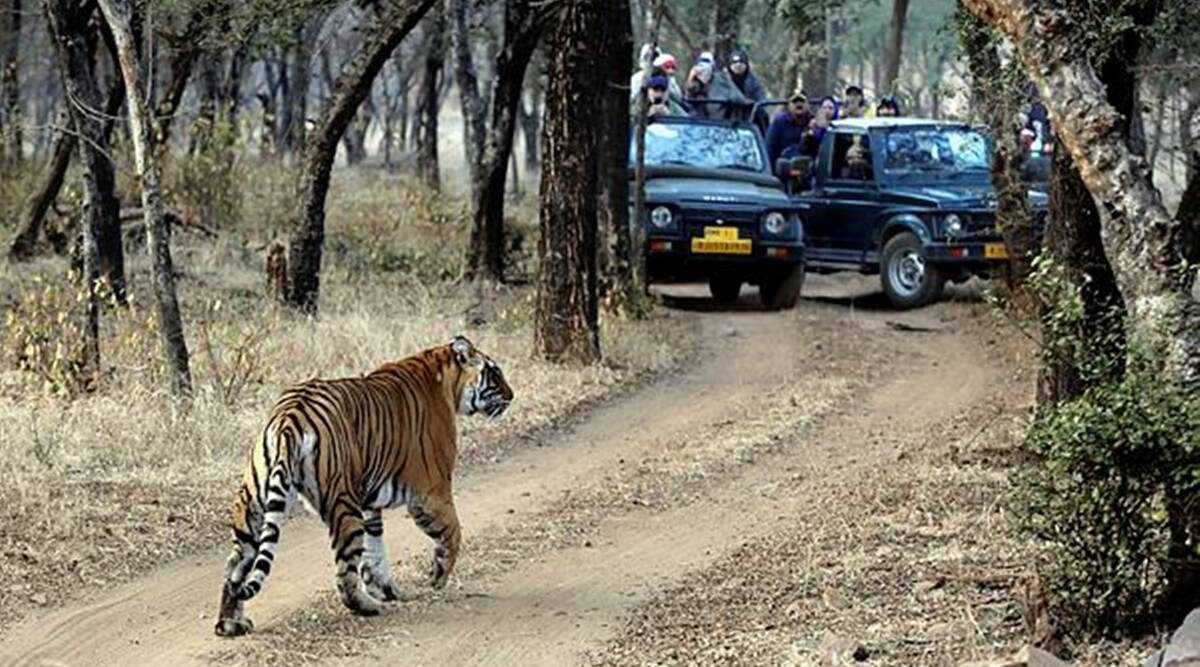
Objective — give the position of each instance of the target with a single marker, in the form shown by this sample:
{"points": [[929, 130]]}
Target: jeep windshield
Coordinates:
{"points": [[938, 153], [702, 145]]}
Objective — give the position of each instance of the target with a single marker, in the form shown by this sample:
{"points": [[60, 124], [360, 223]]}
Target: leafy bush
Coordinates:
{"points": [[1116, 465], [1117, 486]]}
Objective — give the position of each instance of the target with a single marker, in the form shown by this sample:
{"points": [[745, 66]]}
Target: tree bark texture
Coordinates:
{"points": [[427, 107], [117, 13], [393, 20], [1143, 243], [612, 154], [567, 324], [524, 21], [474, 113], [11, 133], [1072, 240], [895, 45], [998, 96], [68, 27]]}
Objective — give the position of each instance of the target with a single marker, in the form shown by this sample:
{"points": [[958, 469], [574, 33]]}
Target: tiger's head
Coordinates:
{"points": [[482, 387]]}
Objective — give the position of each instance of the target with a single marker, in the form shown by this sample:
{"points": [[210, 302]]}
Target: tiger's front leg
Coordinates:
{"points": [[435, 516]]}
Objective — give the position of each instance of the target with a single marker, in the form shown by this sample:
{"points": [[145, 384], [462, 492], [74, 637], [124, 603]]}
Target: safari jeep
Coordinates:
{"points": [[909, 199], [715, 211]]}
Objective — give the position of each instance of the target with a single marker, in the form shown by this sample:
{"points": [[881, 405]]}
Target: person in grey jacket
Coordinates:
{"points": [[705, 83], [743, 78]]}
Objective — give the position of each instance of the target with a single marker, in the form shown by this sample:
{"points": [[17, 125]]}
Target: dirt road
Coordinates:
{"points": [[567, 535]]}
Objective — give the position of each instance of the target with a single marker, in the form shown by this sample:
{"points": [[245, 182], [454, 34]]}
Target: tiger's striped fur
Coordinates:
{"points": [[351, 448]]}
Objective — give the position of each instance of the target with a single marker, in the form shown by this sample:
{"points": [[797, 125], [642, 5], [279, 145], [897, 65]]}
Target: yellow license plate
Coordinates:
{"points": [[721, 240], [738, 247], [995, 251]]}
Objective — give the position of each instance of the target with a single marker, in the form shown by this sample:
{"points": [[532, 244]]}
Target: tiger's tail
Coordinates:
{"points": [[256, 525], [280, 494]]}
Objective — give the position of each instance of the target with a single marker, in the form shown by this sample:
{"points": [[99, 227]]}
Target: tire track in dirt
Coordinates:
{"points": [[166, 618]]}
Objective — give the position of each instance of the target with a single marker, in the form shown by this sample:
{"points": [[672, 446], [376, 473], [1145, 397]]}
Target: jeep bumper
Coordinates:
{"points": [[671, 259]]}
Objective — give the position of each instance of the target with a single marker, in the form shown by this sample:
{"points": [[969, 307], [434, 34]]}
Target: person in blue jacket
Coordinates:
{"points": [[788, 127]]}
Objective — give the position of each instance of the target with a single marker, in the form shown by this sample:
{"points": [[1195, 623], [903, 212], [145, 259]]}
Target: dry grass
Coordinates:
{"points": [[100, 488]]}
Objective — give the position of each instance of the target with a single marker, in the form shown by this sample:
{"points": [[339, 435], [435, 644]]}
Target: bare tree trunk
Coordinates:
{"points": [[474, 113], [158, 231], [427, 108], [612, 154], [392, 21], [183, 61], [11, 134], [1144, 244], [816, 71], [523, 24], [567, 324], [727, 17], [68, 26], [895, 45]]}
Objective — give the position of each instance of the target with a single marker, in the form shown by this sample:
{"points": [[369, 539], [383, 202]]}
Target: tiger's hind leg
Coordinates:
{"points": [[435, 515], [346, 530], [376, 572]]}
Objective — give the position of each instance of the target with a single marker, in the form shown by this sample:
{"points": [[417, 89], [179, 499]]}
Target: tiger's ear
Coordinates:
{"points": [[463, 350]]}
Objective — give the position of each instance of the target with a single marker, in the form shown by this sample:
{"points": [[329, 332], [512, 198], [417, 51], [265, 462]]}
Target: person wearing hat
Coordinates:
{"points": [[705, 82], [659, 97], [788, 127], [743, 78], [665, 64]]}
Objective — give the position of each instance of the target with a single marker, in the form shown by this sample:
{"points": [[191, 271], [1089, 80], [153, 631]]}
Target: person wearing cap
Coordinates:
{"points": [[854, 103], [743, 78], [788, 127], [665, 64], [888, 107], [659, 97]]}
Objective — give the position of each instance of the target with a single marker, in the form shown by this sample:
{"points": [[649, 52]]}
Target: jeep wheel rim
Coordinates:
{"points": [[907, 272]]}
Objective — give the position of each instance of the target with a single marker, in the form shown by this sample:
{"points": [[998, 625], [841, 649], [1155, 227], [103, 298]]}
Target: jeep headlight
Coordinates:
{"points": [[775, 223], [952, 224], [661, 217]]}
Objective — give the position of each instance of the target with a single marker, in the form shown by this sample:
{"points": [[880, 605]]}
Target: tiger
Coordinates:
{"points": [[351, 448]]}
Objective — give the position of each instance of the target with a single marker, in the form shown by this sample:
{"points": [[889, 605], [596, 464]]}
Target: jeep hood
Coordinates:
{"points": [[714, 192], [954, 196]]}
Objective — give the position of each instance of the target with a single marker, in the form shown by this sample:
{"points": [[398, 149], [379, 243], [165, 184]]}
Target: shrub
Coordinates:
{"points": [[1118, 474], [1116, 465]]}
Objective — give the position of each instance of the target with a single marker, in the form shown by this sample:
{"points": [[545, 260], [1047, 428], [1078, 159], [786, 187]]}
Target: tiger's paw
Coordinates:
{"points": [[388, 592], [437, 577], [360, 603], [234, 627]]}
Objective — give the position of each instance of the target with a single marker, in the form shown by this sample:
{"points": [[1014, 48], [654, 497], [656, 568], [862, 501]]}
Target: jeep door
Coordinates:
{"points": [[846, 200]]}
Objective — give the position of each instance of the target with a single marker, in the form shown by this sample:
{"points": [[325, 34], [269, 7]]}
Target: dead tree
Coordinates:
{"points": [[621, 283], [118, 13], [567, 306], [393, 19], [524, 22]]}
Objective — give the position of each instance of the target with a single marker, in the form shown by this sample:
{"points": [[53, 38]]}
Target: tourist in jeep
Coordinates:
{"points": [[788, 127]]}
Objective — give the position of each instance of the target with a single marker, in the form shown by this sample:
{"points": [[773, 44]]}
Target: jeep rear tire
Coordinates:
{"points": [[781, 291], [909, 280], [724, 290]]}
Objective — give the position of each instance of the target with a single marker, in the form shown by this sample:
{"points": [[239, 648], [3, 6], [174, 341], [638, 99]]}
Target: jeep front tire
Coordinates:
{"points": [[782, 290], [909, 280]]}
